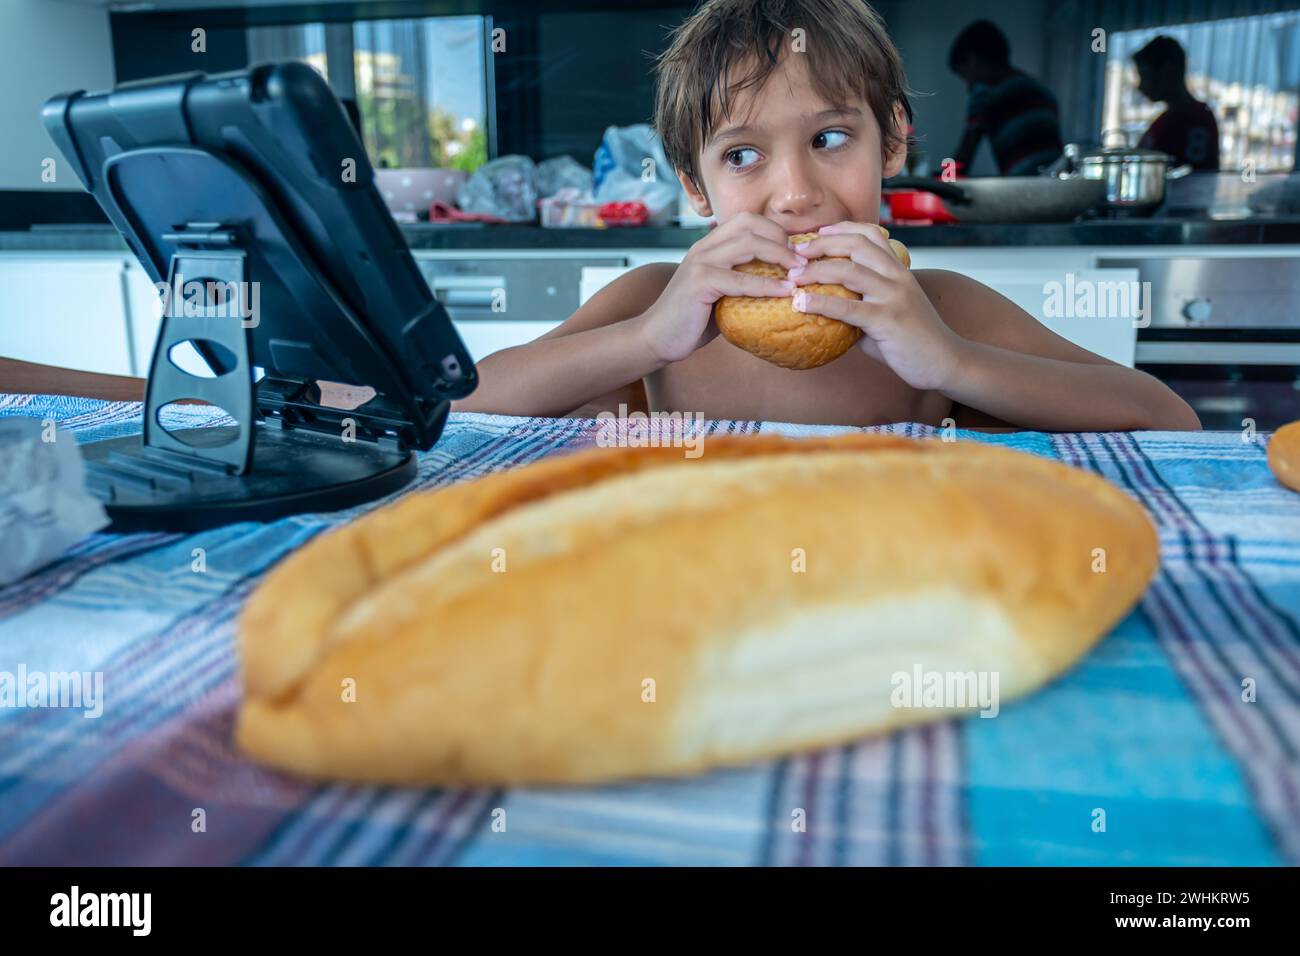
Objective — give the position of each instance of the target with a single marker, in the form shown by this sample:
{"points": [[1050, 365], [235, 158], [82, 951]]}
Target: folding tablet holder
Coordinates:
{"points": [[286, 453], [249, 200]]}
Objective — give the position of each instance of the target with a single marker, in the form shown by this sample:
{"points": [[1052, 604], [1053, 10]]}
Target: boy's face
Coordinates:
{"points": [[797, 160]]}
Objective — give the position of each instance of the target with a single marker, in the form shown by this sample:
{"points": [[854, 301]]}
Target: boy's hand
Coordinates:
{"points": [[681, 320], [901, 327]]}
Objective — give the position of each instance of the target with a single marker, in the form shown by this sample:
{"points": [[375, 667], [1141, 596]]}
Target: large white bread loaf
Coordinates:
{"points": [[625, 566]]}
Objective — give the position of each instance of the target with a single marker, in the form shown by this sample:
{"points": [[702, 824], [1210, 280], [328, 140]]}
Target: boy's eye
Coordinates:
{"points": [[827, 139], [733, 160]]}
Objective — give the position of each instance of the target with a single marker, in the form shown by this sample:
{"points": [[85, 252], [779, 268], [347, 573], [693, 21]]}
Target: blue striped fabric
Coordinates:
{"points": [[1149, 732]]}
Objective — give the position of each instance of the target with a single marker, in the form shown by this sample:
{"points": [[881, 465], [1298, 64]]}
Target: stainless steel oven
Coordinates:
{"points": [[1224, 332]]}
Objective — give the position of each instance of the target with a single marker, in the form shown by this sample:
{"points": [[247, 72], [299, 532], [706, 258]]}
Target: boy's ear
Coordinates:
{"points": [[897, 157], [699, 201]]}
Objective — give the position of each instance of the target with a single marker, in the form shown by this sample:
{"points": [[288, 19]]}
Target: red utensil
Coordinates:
{"points": [[915, 206]]}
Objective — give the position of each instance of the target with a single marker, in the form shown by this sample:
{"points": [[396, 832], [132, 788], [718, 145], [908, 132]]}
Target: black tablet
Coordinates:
{"points": [[268, 155]]}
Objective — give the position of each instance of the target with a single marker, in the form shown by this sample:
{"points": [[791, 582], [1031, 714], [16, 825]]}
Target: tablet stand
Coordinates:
{"points": [[285, 453], [205, 318]]}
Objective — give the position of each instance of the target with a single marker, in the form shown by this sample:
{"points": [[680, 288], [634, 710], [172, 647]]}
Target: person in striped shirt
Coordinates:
{"points": [[1015, 111]]}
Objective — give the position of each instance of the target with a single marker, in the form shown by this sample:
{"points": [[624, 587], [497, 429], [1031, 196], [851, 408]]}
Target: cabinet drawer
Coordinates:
{"points": [[509, 289]]}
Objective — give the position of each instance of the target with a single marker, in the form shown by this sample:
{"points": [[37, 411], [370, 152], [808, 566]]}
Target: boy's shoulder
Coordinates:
{"points": [[651, 274], [634, 291], [628, 295], [976, 312], [961, 302]]}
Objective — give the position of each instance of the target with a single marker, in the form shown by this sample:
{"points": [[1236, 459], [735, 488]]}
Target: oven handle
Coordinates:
{"points": [[1210, 353]]}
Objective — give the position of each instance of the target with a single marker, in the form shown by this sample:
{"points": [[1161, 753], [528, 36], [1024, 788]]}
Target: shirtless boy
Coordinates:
{"points": [[772, 138]]}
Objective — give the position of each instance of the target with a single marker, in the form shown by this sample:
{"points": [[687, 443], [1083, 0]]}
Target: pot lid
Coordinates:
{"points": [[1122, 153]]}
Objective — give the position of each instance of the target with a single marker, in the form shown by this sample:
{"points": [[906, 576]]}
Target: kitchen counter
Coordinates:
{"points": [[100, 305], [1108, 232], [1103, 232]]}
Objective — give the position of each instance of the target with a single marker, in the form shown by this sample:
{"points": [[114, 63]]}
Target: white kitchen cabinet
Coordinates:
{"points": [[1108, 328], [484, 336], [68, 310], [1051, 284], [144, 310], [595, 278], [97, 311]]}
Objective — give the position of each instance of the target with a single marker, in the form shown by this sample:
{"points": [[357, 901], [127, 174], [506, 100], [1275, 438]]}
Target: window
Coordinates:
{"points": [[420, 85], [1246, 69]]}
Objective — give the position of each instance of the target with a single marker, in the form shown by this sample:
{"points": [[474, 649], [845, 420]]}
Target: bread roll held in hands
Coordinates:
{"points": [[772, 329], [623, 612]]}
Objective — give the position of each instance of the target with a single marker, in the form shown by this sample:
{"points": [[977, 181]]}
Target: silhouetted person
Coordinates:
{"points": [[1187, 129], [1015, 111]]}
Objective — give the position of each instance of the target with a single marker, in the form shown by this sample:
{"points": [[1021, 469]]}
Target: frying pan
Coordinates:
{"points": [[1011, 198]]}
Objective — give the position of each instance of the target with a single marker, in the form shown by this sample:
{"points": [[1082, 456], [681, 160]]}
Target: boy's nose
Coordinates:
{"points": [[797, 192]]}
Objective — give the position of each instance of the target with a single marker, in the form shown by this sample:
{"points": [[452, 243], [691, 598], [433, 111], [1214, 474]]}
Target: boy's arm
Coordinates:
{"points": [[1014, 368], [596, 353]]}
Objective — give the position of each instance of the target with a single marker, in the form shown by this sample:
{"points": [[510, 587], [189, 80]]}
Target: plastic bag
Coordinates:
{"points": [[505, 187], [563, 172], [44, 505], [630, 165]]}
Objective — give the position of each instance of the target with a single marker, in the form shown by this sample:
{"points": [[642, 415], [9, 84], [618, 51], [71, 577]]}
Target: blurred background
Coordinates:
{"points": [[431, 93]]}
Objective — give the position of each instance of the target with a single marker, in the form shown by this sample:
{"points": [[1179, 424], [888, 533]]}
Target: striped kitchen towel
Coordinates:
{"points": [[1155, 729]]}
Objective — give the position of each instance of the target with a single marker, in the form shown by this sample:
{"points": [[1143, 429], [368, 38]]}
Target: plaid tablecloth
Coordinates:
{"points": [[1150, 729]]}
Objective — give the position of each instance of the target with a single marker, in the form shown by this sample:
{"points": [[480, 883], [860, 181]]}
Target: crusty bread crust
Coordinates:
{"points": [[628, 565], [1284, 455], [773, 329]]}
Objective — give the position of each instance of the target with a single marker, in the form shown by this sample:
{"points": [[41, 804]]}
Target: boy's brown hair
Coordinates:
{"points": [[849, 54]]}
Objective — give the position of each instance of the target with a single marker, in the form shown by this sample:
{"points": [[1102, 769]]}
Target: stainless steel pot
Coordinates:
{"points": [[1135, 177]]}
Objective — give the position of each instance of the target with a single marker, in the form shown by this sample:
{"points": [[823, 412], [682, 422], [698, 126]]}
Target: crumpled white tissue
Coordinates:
{"points": [[44, 504]]}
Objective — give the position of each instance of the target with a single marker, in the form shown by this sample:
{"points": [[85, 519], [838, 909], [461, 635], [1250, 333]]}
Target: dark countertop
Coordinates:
{"points": [[1109, 232], [1131, 232]]}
